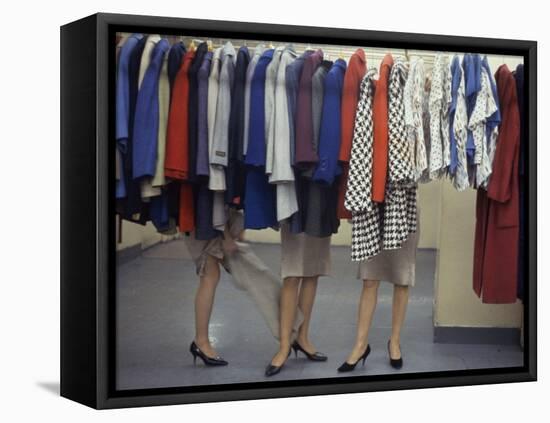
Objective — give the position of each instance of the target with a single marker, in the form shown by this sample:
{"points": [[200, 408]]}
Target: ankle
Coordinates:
{"points": [[361, 345], [202, 342]]}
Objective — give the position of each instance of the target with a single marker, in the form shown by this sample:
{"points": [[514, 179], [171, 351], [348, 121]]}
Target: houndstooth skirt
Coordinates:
{"points": [[394, 266]]}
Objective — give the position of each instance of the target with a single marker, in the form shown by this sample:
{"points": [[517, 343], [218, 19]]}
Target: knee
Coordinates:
{"points": [[370, 284], [292, 281]]}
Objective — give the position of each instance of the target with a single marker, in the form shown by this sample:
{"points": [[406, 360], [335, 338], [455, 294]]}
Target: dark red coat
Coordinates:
{"points": [[497, 209]]}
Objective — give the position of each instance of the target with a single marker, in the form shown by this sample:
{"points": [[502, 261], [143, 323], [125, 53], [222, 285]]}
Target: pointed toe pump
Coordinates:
{"points": [[272, 370], [208, 361], [396, 363], [316, 356], [347, 367]]}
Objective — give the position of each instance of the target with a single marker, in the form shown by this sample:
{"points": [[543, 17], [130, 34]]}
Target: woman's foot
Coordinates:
{"points": [[277, 362], [395, 349], [206, 348], [306, 345], [309, 351], [356, 353]]}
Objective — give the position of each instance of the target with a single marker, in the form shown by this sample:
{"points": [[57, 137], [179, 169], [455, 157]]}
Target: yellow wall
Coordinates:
{"points": [[455, 303]]}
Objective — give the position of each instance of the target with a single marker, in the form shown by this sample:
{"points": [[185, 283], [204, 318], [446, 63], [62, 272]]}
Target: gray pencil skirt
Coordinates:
{"points": [[394, 266], [303, 255]]}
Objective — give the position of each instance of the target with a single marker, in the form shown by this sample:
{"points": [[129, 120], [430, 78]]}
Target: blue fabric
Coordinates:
{"points": [[123, 106], [328, 167], [494, 120], [159, 212], [472, 78], [146, 122], [455, 83], [255, 155], [259, 202]]}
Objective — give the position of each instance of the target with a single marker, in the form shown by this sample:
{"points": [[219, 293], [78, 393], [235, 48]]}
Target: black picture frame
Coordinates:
{"points": [[88, 225]]}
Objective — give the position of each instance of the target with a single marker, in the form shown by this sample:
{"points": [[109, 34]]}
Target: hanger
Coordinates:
{"points": [[210, 45], [192, 45], [271, 44], [407, 54]]}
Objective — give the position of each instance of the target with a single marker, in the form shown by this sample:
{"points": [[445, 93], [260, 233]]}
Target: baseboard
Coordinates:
{"points": [[473, 335], [128, 254]]}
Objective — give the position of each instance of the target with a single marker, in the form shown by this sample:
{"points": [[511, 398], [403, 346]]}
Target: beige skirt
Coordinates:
{"points": [[394, 266], [303, 255], [199, 250]]}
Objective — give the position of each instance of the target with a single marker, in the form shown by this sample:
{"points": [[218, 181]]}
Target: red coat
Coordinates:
{"points": [[497, 209]]}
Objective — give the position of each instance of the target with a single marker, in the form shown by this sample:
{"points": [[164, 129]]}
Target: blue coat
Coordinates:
{"points": [[328, 167], [259, 203], [146, 122]]}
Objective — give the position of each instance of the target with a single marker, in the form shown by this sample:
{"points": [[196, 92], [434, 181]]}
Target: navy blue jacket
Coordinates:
{"points": [[259, 202], [235, 172]]}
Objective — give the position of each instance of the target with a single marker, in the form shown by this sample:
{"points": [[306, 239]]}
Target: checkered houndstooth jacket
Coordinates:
{"points": [[381, 226]]}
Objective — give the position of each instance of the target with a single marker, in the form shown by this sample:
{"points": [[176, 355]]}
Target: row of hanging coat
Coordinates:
{"points": [[296, 138]]}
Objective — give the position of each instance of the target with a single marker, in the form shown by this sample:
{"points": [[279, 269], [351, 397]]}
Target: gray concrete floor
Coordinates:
{"points": [[155, 326]]}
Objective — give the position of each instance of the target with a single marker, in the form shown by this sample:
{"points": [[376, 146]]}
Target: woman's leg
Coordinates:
{"points": [[288, 305], [306, 300], [367, 305], [204, 300], [399, 308]]}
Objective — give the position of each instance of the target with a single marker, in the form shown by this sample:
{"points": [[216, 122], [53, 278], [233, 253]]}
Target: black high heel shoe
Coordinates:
{"points": [[272, 370], [347, 367], [316, 356], [208, 361], [396, 363]]}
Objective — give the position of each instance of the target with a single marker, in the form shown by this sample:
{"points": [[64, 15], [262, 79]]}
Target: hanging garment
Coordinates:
{"points": [[413, 98], [164, 108], [292, 81], [357, 67], [152, 41], [322, 208], [258, 51], [493, 121], [218, 153], [235, 172], [122, 126], [192, 110], [176, 163], [497, 214], [471, 64], [317, 217], [458, 128], [485, 106], [399, 209], [306, 157], [205, 227], [282, 173], [219, 147], [365, 230], [270, 81], [380, 119], [131, 207], [146, 123], [522, 180], [328, 167], [260, 203], [439, 104], [216, 181], [202, 118], [175, 59]]}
